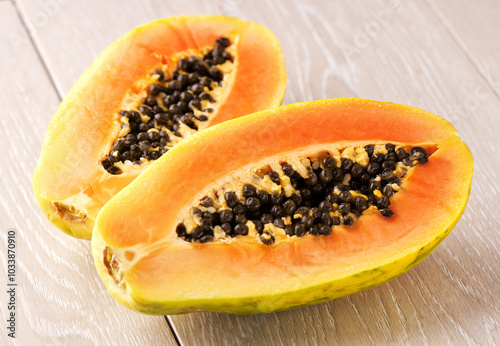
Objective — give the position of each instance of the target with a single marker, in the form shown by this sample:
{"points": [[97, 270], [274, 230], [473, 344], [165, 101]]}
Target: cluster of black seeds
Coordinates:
{"points": [[320, 194], [170, 102]]}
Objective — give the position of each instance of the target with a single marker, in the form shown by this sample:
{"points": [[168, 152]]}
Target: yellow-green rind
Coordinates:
{"points": [[73, 226], [83, 128], [383, 270], [280, 302]]}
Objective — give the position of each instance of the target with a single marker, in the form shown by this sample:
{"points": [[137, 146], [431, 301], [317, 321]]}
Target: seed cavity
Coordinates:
{"points": [[311, 195], [69, 212], [113, 266], [176, 105]]}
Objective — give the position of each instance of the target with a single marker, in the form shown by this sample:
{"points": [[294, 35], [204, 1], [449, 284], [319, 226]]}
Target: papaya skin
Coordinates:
{"points": [[162, 274], [281, 301], [85, 125], [75, 226]]}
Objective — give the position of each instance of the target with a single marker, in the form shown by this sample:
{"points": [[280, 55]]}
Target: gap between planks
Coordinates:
{"points": [[37, 49], [463, 46], [172, 329], [60, 96]]}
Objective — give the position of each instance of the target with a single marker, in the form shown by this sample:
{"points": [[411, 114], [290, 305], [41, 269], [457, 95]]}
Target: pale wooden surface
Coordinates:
{"points": [[438, 55], [61, 300]]}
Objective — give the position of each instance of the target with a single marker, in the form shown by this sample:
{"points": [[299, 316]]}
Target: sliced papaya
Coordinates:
{"points": [[153, 87], [283, 208]]}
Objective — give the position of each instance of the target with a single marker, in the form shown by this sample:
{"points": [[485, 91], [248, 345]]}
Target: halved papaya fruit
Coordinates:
{"points": [[153, 87], [287, 207]]}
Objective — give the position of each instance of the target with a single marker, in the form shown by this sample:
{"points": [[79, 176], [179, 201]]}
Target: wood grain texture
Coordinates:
{"points": [[476, 40], [60, 298], [398, 51]]}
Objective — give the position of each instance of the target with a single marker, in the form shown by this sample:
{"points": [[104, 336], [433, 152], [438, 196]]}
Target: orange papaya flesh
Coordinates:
{"points": [[72, 180], [149, 268]]}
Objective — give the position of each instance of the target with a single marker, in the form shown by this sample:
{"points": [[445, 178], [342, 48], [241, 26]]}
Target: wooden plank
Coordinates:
{"points": [[386, 50], [60, 299], [473, 24], [94, 25]]}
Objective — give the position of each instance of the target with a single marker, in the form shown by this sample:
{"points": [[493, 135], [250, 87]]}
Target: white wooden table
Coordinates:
{"points": [[439, 55]]}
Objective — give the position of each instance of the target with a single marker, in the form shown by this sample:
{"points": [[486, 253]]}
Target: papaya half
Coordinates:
{"points": [[284, 208], [153, 87]]}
